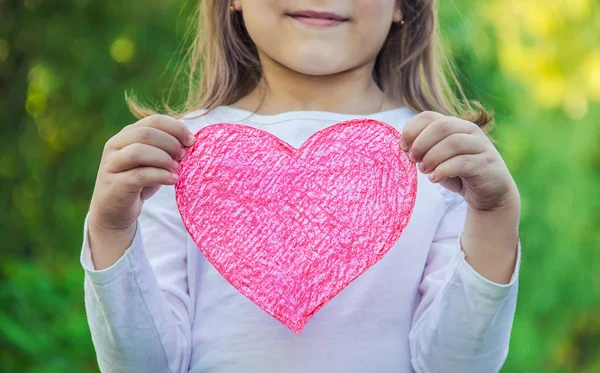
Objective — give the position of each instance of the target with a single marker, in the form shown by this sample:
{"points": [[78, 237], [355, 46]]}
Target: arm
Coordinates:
{"points": [[139, 308], [489, 240], [463, 321]]}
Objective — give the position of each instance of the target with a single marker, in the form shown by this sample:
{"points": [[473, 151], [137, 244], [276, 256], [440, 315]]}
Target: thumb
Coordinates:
{"points": [[453, 184], [149, 191]]}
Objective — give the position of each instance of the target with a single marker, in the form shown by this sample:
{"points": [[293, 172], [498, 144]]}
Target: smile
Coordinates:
{"points": [[318, 19]]}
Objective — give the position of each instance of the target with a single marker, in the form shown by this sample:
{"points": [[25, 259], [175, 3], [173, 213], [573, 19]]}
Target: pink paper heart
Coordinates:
{"points": [[291, 228]]}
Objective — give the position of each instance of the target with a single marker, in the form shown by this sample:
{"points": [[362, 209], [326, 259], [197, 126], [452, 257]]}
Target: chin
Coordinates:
{"points": [[315, 69], [316, 62]]}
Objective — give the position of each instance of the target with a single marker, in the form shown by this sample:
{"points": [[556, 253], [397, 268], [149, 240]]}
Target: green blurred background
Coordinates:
{"points": [[64, 66]]}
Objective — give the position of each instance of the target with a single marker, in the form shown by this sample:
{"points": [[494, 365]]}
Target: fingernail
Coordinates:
{"points": [[412, 157], [422, 167], [432, 177], [174, 177], [403, 145], [191, 139], [175, 166], [181, 154]]}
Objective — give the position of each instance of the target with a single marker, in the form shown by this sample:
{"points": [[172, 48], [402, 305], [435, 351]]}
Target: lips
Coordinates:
{"points": [[318, 19]]}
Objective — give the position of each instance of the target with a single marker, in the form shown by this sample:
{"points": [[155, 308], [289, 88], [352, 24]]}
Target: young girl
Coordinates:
{"points": [[441, 300]]}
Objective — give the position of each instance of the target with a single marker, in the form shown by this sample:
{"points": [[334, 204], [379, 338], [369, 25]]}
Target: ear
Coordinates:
{"points": [[236, 5], [398, 16]]}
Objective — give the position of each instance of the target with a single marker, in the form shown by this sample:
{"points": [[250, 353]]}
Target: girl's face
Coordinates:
{"points": [[319, 37]]}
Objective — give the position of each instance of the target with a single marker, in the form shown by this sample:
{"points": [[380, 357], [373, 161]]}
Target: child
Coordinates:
{"points": [[441, 300]]}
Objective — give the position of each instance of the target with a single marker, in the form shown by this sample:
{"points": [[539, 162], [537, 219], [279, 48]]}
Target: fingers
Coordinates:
{"points": [[449, 149], [436, 132], [160, 131], [169, 125], [141, 155], [149, 136], [136, 179], [145, 154], [463, 166], [450, 146], [416, 125]]}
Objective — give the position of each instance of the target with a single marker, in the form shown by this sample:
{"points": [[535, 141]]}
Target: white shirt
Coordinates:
{"points": [[162, 307]]}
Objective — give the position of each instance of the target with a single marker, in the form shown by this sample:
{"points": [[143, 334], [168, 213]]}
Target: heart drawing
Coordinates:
{"points": [[291, 228]]}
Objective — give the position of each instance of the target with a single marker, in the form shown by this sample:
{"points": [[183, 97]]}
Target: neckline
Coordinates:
{"points": [[245, 115]]}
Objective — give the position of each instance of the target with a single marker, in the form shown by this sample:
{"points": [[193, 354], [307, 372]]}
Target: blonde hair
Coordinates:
{"points": [[222, 65]]}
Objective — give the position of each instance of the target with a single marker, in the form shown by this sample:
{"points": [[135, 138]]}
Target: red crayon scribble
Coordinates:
{"points": [[291, 228]]}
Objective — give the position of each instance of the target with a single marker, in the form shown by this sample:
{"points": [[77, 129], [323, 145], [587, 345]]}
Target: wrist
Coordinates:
{"points": [[108, 245], [490, 239], [500, 223]]}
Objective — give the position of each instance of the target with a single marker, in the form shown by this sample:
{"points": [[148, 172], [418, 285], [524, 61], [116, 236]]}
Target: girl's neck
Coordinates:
{"points": [[282, 90]]}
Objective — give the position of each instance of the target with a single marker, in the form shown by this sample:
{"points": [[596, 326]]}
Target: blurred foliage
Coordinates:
{"points": [[64, 66]]}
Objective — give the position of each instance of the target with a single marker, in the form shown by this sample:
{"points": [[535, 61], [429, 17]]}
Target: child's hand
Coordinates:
{"points": [[134, 164], [458, 154]]}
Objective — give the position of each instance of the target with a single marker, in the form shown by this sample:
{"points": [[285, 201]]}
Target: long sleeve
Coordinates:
{"points": [[463, 321], [139, 309]]}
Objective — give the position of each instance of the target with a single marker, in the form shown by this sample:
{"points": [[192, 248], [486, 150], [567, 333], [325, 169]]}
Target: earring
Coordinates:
{"points": [[402, 22]]}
